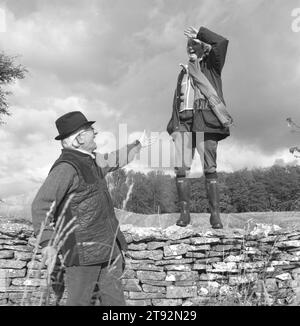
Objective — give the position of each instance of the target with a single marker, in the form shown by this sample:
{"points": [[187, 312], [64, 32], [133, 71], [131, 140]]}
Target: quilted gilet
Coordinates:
{"points": [[97, 232]]}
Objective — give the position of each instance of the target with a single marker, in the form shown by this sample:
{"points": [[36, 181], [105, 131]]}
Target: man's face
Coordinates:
{"points": [[87, 139], [194, 50]]}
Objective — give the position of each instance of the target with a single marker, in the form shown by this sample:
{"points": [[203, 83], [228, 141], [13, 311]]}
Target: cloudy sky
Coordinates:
{"points": [[117, 61]]}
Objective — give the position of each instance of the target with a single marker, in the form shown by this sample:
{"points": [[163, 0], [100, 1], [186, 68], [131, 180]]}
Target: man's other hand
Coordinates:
{"points": [[146, 141], [192, 33]]}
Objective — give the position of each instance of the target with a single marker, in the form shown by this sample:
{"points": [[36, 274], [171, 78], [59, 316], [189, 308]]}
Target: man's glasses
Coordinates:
{"points": [[95, 132]]}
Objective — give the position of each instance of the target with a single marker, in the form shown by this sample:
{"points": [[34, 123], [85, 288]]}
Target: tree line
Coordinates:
{"points": [[270, 189]]}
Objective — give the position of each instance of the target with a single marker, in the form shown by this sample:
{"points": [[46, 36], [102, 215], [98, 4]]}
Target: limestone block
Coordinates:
{"points": [[14, 242], [236, 259], [242, 279], [35, 265], [179, 292], [181, 268], [195, 255], [13, 273], [200, 248], [202, 291], [231, 241], [6, 254], [3, 296], [140, 234], [289, 244], [197, 301], [271, 284], [167, 302], [138, 303], [254, 265], [186, 241], [174, 262], [145, 296], [182, 276], [185, 283], [224, 267], [146, 267], [156, 283], [140, 246], [279, 263], [27, 256], [284, 277], [153, 289], [15, 229], [272, 239], [204, 240], [208, 261], [175, 232], [146, 254], [217, 254], [16, 248], [178, 257], [199, 267], [174, 250], [28, 282], [14, 264], [147, 275], [226, 247], [155, 245], [211, 277]]}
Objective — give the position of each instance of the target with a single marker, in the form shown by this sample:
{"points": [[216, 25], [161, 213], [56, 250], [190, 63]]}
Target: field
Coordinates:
{"points": [[20, 211], [234, 220]]}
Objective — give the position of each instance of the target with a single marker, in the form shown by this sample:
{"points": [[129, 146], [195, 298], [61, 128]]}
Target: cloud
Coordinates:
{"points": [[118, 63]]}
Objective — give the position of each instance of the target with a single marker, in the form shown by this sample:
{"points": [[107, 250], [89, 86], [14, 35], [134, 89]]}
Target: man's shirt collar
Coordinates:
{"points": [[92, 155]]}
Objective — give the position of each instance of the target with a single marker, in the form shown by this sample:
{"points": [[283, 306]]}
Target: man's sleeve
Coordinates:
{"points": [[62, 180], [110, 162], [219, 45]]}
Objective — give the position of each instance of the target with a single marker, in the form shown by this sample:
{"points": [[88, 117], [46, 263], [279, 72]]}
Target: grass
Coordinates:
{"points": [[230, 221]]}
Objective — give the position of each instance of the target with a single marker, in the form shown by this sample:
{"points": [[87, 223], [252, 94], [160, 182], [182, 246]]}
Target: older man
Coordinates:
{"points": [[92, 253], [199, 118]]}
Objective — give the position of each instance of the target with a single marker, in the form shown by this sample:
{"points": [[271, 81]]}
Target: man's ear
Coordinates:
{"points": [[206, 48], [78, 141]]}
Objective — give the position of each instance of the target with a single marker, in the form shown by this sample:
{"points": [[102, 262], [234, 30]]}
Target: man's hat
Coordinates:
{"points": [[71, 122]]}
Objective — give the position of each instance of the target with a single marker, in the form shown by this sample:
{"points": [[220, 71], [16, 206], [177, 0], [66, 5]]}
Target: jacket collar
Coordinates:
{"points": [[80, 152]]}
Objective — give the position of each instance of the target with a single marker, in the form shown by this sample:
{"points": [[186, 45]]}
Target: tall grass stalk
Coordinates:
{"points": [[125, 201], [36, 248], [59, 236]]}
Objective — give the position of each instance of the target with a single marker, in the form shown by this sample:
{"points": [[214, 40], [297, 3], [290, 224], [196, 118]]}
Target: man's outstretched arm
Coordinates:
{"points": [[118, 159], [110, 162]]}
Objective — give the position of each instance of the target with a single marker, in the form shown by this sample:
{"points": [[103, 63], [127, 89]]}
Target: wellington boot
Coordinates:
{"points": [[185, 217], [214, 204], [184, 193]]}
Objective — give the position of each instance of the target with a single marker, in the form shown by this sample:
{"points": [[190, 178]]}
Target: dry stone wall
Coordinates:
{"points": [[174, 266]]}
